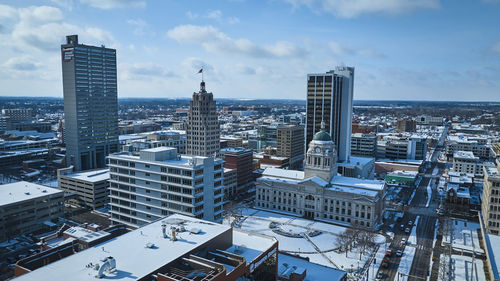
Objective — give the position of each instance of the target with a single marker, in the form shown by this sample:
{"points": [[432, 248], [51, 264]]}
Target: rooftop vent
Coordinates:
{"points": [[150, 245], [195, 230], [27, 193]]}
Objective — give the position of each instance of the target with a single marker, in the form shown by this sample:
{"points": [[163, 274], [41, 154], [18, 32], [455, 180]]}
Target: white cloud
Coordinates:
{"points": [[244, 69], [216, 15], [233, 20], [340, 50], [7, 12], [148, 70], [354, 8], [112, 4], [23, 63], [215, 41], [139, 26], [66, 4], [191, 15], [43, 28]]}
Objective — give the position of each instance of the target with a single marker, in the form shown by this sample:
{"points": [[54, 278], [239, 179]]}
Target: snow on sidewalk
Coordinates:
{"points": [[429, 194], [409, 253]]}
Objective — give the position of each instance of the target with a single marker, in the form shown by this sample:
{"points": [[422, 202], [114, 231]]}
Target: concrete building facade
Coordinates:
{"points": [[161, 182], [90, 103], [25, 207], [329, 99], [90, 187], [490, 206], [290, 144], [364, 145]]}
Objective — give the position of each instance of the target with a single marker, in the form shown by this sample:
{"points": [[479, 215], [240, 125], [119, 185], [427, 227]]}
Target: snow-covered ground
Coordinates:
{"points": [[463, 236], [409, 252], [461, 268], [258, 221]]}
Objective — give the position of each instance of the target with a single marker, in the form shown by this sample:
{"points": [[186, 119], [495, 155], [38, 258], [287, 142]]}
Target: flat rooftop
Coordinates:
{"points": [[134, 260], [90, 176], [22, 190], [464, 154]]}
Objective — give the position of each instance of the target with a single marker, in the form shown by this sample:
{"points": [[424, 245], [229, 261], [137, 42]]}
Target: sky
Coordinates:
{"points": [[401, 49]]}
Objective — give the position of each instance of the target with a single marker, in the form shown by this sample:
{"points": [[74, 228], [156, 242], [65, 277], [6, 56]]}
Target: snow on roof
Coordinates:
{"points": [[133, 259], [398, 173], [376, 185], [91, 176], [493, 247], [314, 271], [464, 154], [85, 234], [282, 173], [19, 191], [250, 245]]}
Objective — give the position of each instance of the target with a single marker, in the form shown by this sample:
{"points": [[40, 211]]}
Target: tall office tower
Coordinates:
{"points": [[90, 103], [203, 129], [290, 144], [329, 99]]}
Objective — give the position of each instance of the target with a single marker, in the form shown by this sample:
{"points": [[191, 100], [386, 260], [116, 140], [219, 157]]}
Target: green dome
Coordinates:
{"points": [[322, 136]]}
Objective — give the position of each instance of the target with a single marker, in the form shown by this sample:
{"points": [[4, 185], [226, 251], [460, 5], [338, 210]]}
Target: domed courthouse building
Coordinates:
{"points": [[318, 192]]}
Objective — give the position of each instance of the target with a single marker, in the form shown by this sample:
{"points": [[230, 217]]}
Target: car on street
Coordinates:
{"points": [[407, 230], [410, 223], [380, 275], [403, 240], [399, 253]]}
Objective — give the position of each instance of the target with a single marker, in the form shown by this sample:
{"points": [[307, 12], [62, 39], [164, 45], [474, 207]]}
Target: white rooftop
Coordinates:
{"points": [[133, 259], [464, 154], [23, 190], [314, 271], [282, 173], [85, 234], [90, 176]]}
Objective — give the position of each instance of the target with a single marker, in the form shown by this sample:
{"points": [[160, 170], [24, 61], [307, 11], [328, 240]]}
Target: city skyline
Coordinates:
{"points": [[403, 50]]}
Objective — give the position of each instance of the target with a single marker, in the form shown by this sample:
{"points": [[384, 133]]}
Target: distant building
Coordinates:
{"points": [[239, 159], [27, 207], [203, 129], [230, 182], [290, 144], [406, 125], [154, 140], [405, 178], [160, 182], [465, 162], [491, 199], [477, 145], [329, 100], [173, 248], [18, 114], [364, 145], [269, 161], [429, 120], [90, 103], [232, 141], [412, 148], [357, 167], [90, 187], [318, 193]]}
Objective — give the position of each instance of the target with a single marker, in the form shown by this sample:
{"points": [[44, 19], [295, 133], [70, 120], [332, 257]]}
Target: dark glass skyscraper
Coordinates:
{"points": [[329, 99], [90, 103]]}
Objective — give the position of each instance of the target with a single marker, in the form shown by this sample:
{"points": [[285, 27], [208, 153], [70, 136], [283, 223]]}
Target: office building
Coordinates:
{"points": [[479, 145], [230, 182], [329, 99], [160, 182], [491, 199], [239, 159], [174, 248], [159, 139], [364, 145], [394, 147], [90, 187], [430, 120], [406, 125], [90, 103], [27, 207], [290, 144], [203, 129], [318, 192], [18, 114]]}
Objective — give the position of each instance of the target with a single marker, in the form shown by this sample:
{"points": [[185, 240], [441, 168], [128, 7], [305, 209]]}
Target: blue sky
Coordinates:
{"points": [[401, 49]]}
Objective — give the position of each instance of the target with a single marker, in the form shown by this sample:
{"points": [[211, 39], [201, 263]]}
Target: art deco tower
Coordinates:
{"points": [[203, 129], [90, 103]]}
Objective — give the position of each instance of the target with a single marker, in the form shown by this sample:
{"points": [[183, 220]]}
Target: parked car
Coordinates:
{"points": [[380, 275], [388, 253], [403, 240], [399, 253], [407, 230]]}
